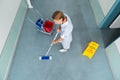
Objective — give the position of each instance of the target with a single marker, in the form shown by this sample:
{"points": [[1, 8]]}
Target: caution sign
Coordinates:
{"points": [[91, 49]]}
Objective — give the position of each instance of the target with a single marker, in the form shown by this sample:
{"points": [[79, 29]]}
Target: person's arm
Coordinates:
{"points": [[59, 29], [57, 40]]}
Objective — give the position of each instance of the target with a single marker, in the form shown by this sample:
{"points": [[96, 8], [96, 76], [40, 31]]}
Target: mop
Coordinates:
{"points": [[46, 57]]}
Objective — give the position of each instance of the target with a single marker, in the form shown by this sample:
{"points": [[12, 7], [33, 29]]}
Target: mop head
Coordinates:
{"points": [[45, 58]]}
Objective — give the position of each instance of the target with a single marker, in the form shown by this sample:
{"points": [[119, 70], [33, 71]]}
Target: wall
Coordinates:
{"points": [[113, 53], [106, 5], [111, 15], [116, 23], [101, 9], [7, 14], [12, 16]]}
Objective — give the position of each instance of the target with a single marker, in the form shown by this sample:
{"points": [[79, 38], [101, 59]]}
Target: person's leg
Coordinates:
{"points": [[66, 46]]}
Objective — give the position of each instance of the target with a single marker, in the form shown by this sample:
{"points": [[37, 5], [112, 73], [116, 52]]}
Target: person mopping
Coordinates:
{"points": [[65, 29]]}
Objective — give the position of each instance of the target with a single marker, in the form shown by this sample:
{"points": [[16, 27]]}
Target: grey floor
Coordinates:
{"points": [[71, 65]]}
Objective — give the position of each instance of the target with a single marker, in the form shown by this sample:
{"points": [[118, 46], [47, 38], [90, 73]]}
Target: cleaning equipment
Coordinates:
{"points": [[43, 25], [46, 57], [91, 49]]}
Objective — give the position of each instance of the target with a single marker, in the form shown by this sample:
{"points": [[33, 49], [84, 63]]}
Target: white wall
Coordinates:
{"points": [[117, 43], [106, 5], [116, 23], [8, 10], [13, 21], [113, 54]]}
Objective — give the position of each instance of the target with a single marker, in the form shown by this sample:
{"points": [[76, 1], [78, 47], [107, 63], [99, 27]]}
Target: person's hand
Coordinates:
{"points": [[58, 30], [54, 42]]}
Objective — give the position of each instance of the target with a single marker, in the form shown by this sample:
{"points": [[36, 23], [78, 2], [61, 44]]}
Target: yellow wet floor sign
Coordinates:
{"points": [[91, 49]]}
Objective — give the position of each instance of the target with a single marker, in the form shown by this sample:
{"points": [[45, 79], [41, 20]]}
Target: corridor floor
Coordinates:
{"points": [[71, 65]]}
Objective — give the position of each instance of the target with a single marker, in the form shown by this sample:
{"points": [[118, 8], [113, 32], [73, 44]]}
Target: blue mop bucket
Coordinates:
{"points": [[39, 24]]}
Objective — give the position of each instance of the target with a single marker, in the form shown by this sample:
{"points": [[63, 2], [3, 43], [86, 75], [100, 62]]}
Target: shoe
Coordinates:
{"points": [[63, 50]]}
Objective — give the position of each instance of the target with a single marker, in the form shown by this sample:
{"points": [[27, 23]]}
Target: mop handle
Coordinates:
{"points": [[51, 44], [39, 14]]}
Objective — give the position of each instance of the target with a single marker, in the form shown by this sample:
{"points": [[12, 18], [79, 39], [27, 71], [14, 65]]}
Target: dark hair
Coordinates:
{"points": [[57, 15]]}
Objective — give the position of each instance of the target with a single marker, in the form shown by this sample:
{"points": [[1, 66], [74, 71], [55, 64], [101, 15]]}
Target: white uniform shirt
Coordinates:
{"points": [[66, 32]]}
